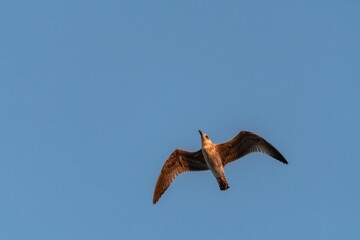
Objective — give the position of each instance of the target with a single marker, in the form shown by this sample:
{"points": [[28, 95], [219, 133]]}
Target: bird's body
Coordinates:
{"points": [[213, 161], [212, 157]]}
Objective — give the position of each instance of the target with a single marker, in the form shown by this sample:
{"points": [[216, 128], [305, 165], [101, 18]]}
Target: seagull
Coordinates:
{"points": [[212, 157]]}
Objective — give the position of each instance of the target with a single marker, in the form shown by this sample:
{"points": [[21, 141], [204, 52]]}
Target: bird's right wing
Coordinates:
{"points": [[179, 161]]}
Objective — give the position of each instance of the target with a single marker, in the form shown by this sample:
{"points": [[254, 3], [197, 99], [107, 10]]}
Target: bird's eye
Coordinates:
{"points": [[207, 136]]}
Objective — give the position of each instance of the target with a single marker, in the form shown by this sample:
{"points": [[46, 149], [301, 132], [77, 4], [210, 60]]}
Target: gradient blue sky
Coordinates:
{"points": [[95, 95]]}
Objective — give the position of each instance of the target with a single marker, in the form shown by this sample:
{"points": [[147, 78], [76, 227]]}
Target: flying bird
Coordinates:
{"points": [[212, 157]]}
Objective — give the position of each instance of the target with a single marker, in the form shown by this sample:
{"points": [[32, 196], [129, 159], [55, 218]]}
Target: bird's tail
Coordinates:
{"points": [[222, 183]]}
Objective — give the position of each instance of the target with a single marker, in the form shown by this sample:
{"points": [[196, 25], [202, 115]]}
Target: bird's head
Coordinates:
{"points": [[205, 138]]}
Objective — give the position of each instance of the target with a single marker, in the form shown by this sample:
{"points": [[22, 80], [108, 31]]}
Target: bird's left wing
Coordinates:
{"points": [[245, 143], [179, 161]]}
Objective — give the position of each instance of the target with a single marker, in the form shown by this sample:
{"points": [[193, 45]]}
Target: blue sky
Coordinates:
{"points": [[95, 95]]}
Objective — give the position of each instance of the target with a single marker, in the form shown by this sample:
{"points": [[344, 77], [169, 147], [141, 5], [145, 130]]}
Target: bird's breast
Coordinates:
{"points": [[212, 159]]}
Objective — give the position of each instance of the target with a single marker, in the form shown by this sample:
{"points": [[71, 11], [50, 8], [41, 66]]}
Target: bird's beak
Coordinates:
{"points": [[200, 132]]}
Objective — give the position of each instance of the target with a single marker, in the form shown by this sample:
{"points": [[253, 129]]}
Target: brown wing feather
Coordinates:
{"points": [[179, 161], [245, 143]]}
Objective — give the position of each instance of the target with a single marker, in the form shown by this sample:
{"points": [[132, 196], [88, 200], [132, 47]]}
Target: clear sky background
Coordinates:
{"points": [[95, 95]]}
